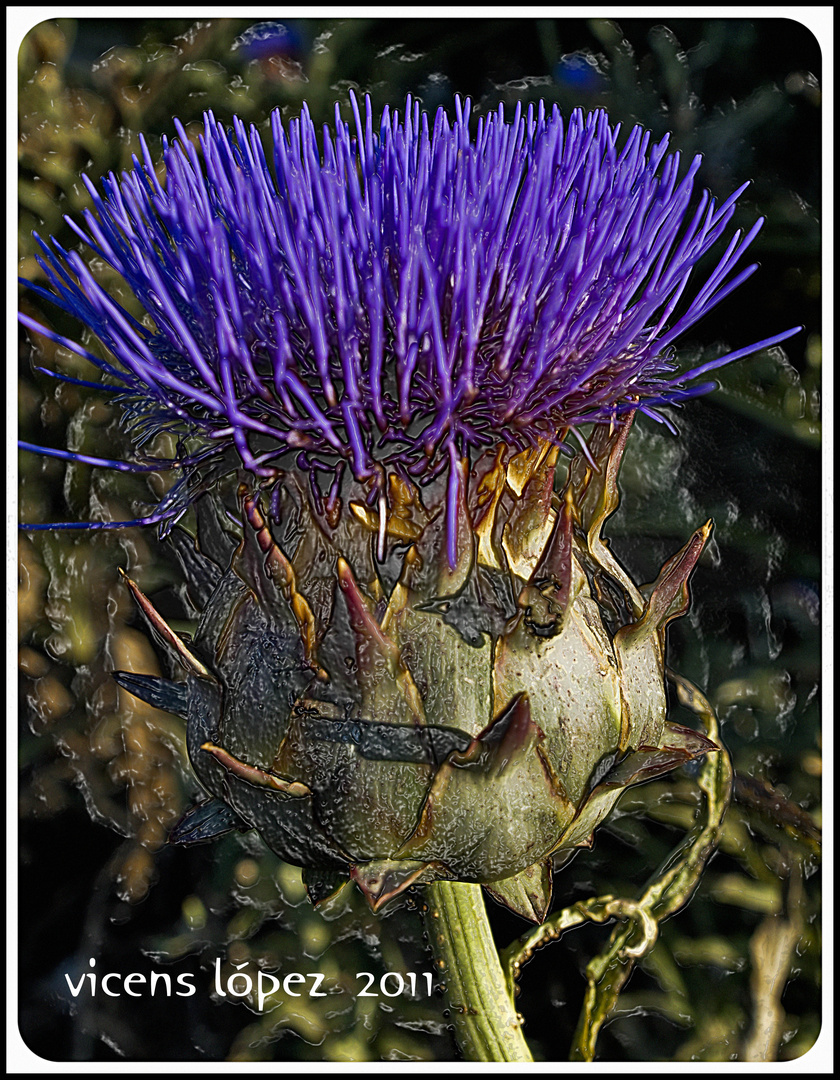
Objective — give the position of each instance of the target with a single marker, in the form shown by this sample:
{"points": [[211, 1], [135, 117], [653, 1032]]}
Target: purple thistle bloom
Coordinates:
{"points": [[395, 298]]}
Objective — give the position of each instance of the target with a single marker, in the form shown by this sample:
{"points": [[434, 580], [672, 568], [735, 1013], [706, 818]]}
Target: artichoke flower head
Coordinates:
{"points": [[472, 722], [415, 659]]}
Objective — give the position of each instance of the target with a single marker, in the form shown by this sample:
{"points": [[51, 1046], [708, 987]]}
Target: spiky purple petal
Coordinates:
{"points": [[396, 299]]}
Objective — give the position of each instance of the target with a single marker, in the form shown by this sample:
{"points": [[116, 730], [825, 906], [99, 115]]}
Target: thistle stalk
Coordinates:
{"points": [[487, 1027]]}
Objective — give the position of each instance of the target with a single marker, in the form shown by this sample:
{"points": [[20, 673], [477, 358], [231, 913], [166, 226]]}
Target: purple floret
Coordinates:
{"points": [[395, 296]]}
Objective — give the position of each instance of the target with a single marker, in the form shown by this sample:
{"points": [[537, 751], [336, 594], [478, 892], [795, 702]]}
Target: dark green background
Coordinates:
{"points": [[745, 93]]}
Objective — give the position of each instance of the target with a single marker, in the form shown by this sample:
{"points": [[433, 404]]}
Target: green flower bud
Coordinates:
{"points": [[409, 718]]}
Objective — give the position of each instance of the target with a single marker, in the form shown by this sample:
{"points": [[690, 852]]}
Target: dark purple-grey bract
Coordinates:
{"points": [[393, 294]]}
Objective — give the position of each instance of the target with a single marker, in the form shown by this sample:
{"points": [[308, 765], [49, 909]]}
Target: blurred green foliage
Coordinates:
{"points": [[736, 976]]}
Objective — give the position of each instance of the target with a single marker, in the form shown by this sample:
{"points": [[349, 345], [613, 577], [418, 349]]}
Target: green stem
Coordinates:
{"points": [[485, 1021]]}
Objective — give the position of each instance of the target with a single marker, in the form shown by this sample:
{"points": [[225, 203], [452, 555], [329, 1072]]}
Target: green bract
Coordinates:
{"points": [[399, 720]]}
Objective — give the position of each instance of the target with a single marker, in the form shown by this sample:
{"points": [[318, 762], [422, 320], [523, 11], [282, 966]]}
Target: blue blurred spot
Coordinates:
{"points": [[579, 71], [272, 38]]}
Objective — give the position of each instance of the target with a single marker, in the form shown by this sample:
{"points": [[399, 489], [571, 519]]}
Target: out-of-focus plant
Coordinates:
{"points": [[146, 750]]}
